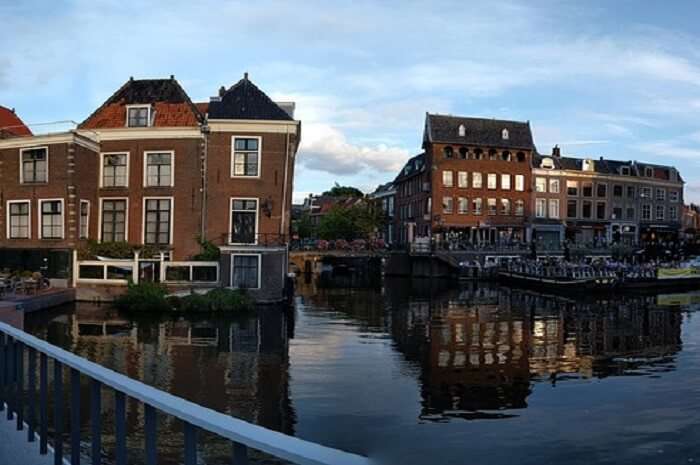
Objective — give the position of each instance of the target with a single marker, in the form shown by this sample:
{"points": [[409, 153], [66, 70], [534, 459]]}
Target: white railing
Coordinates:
{"points": [[243, 435], [105, 271], [190, 272]]}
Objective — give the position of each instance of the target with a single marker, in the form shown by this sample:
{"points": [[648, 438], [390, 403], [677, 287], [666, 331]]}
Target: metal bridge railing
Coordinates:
{"points": [[21, 399]]}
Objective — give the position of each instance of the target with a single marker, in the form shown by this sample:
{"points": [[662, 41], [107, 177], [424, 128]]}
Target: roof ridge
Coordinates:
{"points": [[482, 118]]}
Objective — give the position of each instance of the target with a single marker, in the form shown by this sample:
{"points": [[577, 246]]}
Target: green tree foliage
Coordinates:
{"points": [[344, 191], [304, 227], [356, 222]]}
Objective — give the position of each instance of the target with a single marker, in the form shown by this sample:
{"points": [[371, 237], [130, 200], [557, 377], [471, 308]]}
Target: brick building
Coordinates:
{"points": [[150, 167], [479, 177], [413, 200]]}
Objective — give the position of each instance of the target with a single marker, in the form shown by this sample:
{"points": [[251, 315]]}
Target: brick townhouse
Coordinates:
{"points": [[151, 167], [479, 177]]}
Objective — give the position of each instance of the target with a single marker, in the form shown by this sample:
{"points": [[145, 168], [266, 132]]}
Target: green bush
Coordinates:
{"points": [[153, 297], [209, 252], [144, 297]]}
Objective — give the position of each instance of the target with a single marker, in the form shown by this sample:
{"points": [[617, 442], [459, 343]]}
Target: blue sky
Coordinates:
{"points": [[616, 79]]}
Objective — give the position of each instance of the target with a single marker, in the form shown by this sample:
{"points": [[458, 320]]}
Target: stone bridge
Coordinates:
{"points": [[311, 261]]}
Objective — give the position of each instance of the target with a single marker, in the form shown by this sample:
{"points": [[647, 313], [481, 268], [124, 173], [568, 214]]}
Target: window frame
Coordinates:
{"points": [[448, 178], [149, 116], [538, 202], [461, 200], [550, 203], [21, 165], [477, 175], [662, 217], [233, 157], [80, 220], [506, 186], [146, 153], [230, 220], [259, 257], [101, 218], [40, 219], [544, 184], [172, 219], [519, 183], [462, 176], [662, 197], [448, 201], [494, 177], [29, 219], [102, 165], [642, 216], [552, 182]]}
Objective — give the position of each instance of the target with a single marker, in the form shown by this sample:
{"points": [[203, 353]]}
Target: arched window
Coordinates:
{"points": [[448, 152], [478, 154], [492, 154], [462, 131], [505, 156], [504, 134], [547, 163], [520, 156], [463, 153]]}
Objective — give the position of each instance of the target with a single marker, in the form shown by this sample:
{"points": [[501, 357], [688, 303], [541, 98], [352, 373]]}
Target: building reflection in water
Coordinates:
{"points": [[481, 348], [237, 365]]}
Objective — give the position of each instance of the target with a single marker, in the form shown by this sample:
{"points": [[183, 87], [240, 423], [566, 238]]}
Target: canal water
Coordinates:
{"points": [[416, 372]]}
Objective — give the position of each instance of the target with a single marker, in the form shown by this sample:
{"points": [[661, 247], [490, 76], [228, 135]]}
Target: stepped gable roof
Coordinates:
{"points": [[245, 101], [478, 131], [170, 105], [11, 125]]}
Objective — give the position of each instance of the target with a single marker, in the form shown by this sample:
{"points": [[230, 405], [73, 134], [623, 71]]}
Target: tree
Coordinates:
{"points": [[359, 221], [304, 227], [344, 191]]}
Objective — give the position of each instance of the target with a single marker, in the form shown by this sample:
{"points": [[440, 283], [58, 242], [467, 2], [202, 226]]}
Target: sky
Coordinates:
{"points": [[614, 79]]}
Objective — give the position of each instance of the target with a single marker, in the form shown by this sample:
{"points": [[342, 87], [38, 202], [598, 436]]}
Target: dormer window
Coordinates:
{"points": [[504, 134], [547, 164], [462, 130], [625, 170], [448, 152], [588, 165], [648, 172], [138, 116]]}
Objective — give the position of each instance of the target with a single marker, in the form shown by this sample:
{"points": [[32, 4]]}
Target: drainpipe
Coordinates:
{"points": [[204, 157], [284, 192]]}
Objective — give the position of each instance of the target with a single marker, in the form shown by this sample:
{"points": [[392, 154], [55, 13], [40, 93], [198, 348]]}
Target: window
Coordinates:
{"points": [[587, 189], [625, 170], [84, 219], [646, 212], [492, 181], [601, 190], [600, 210], [463, 206], [649, 172], [673, 196], [246, 156], [18, 219], [572, 188], [244, 221], [478, 154], [520, 156], [617, 190], [519, 182], [159, 169], [631, 192], [587, 209], [617, 213], [554, 186], [447, 205], [504, 134], [34, 165], [541, 208], [462, 131], [476, 206], [630, 213], [553, 208], [506, 156], [138, 116], [540, 184], [463, 153], [571, 208], [660, 212], [463, 179], [505, 207], [51, 219], [114, 217], [476, 181], [492, 154], [645, 192], [547, 164], [673, 213], [505, 182], [115, 169], [245, 273], [660, 195], [447, 178], [519, 207], [588, 165], [157, 221], [492, 206]]}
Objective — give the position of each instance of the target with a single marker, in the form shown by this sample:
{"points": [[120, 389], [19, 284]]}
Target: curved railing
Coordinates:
{"points": [[18, 395]]}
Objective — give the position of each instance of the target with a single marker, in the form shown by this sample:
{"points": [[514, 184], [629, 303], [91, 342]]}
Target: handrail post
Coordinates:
{"points": [[58, 412], [19, 365], [10, 372], [239, 453], [150, 434], [75, 417], [96, 420], [31, 414], [190, 444], [3, 369], [43, 401], [120, 426]]}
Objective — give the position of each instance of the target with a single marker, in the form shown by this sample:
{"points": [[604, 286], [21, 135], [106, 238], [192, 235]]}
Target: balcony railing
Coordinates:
{"points": [[260, 239], [24, 394]]}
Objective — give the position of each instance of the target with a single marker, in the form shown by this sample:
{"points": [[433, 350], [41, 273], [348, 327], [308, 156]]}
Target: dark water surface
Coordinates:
{"points": [[415, 374]]}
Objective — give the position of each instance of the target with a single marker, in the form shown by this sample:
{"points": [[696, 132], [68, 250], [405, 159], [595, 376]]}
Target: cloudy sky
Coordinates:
{"points": [[616, 79]]}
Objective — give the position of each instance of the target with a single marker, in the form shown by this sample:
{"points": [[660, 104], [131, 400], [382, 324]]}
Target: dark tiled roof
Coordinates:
{"points": [[11, 125], [171, 104], [414, 165], [478, 131], [246, 101]]}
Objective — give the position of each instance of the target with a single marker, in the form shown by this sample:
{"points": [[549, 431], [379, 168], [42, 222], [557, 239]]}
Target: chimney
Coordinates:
{"points": [[556, 151], [222, 91], [245, 75]]}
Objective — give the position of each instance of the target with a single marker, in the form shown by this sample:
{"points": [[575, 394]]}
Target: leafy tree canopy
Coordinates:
{"points": [[344, 191]]}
